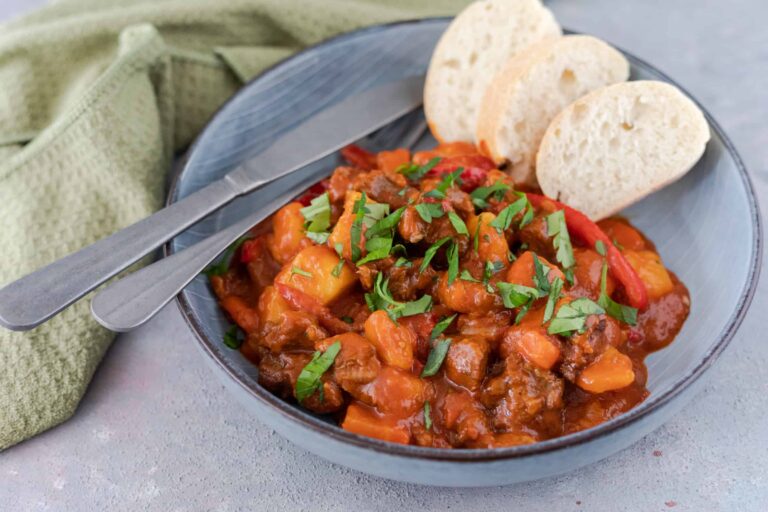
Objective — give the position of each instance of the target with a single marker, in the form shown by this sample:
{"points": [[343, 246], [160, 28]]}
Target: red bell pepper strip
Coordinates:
{"points": [[300, 301], [580, 226], [359, 157], [475, 167]]}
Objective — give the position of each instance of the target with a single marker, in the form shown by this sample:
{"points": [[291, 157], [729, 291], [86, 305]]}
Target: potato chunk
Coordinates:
{"points": [[394, 342], [319, 261], [533, 343], [272, 306], [611, 370], [651, 270]]}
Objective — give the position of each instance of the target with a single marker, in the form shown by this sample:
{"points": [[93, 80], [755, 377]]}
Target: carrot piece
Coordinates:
{"points": [[361, 420], [611, 370], [242, 314]]}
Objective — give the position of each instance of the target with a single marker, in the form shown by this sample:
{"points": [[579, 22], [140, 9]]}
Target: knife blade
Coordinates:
{"points": [[35, 298]]}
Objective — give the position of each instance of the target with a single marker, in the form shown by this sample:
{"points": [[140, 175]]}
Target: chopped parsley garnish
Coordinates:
{"points": [[516, 295], [386, 225], [232, 338], [336, 272], [221, 267], [429, 211], [540, 275], [347, 319], [481, 195], [453, 262], [317, 214], [458, 224], [441, 326], [436, 357], [380, 298], [427, 416], [357, 226], [572, 317], [466, 276], [403, 262], [476, 237], [620, 312], [300, 272], [449, 180], [491, 268], [504, 219], [380, 236], [309, 379], [415, 172], [318, 238], [554, 293], [431, 251], [557, 229]]}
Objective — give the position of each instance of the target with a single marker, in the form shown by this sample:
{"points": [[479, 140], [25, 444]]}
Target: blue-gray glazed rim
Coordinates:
{"points": [[242, 379]]}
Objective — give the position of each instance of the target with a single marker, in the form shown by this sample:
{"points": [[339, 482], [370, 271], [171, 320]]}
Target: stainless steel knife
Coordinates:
{"points": [[37, 297]]}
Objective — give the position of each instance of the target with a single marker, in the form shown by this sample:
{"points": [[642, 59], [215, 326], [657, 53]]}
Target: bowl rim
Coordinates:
{"points": [[474, 455]]}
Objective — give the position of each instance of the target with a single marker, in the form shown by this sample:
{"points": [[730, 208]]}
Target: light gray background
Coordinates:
{"points": [[156, 431]]}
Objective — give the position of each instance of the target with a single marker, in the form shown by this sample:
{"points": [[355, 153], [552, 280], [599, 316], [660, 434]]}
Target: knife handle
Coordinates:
{"points": [[33, 299]]}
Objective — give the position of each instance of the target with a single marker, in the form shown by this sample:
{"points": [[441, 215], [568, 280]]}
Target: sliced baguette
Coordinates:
{"points": [[472, 49], [532, 88], [618, 144]]}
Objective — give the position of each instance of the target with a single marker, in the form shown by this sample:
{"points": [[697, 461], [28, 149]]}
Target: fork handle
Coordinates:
{"points": [[134, 299], [33, 299]]}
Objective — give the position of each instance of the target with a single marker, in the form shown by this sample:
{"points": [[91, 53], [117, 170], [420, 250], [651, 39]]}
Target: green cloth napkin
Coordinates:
{"points": [[96, 96]]}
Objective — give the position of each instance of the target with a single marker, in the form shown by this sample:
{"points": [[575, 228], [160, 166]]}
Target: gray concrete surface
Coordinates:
{"points": [[157, 432]]}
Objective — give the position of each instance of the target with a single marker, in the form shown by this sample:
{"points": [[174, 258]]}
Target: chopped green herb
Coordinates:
{"points": [[554, 294], [516, 295], [385, 226], [427, 416], [481, 194], [441, 326], [617, 244], [522, 312], [415, 172], [318, 214], [504, 219], [221, 267], [356, 230], [449, 180], [377, 249], [620, 312], [569, 276], [429, 211], [309, 379], [476, 237], [347, 319], [431, 251], [453, 262], [557, 229], [573, 316], [232, 338], [299, 271], [402, 262], [491, 268], [466, 276], [511, 257], [540, 276], [381, 299], [436, 357], [600, 248], [458, 224], [318, 238], [336, 272], [374, 212]]}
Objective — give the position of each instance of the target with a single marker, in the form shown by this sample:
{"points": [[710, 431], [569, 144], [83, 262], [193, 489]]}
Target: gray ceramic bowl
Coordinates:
{"points": [[706, 227]]}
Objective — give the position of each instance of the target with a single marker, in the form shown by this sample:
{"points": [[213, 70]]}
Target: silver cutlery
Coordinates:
{"points": [[134, 299], [35, 298]]}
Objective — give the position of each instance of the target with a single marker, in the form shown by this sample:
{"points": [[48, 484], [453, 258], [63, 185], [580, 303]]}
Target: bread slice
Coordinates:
{"points": [[472, 49], [618, 144], [532, 88]]}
